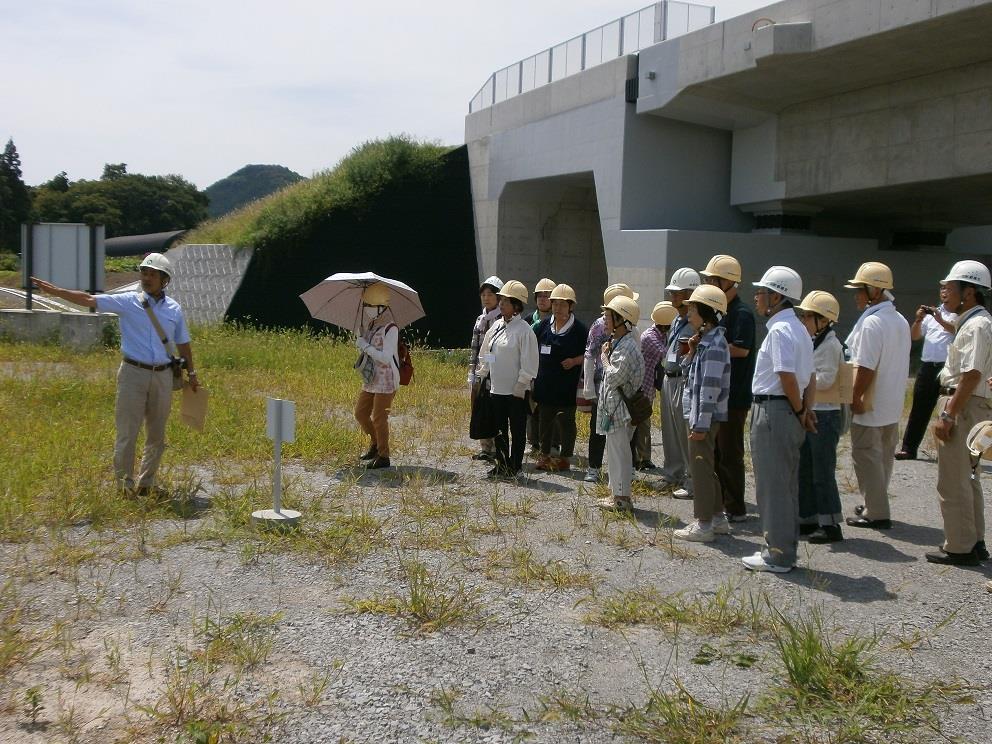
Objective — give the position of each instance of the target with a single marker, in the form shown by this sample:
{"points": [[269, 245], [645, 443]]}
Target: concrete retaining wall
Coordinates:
{"points": [[77, 331]]}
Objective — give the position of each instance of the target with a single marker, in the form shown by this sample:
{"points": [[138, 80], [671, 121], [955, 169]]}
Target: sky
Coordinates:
{"points": [[203, 88]]}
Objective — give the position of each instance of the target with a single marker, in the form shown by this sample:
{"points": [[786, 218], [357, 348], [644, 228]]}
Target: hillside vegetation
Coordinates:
{"points": [[247, 185]]}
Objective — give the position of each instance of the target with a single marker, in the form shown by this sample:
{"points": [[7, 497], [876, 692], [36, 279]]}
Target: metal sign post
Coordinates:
{"points": [[280, 427]]}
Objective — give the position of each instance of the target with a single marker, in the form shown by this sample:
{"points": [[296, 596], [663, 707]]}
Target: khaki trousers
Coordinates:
{"points": [[873, 449], [707, 496], [372, 414], [142, 396], [961, 501]]}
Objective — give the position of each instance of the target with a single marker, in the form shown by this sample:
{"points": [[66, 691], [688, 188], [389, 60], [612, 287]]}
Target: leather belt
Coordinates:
{"points": [[948, 390], [766, 398], [151, 367]]}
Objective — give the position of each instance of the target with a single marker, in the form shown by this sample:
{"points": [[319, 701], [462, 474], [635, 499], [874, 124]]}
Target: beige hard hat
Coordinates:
{"points": [[871, 274], [664, 313], [514, 289], [545, 285], [979, 440], [707, 294], [618, 290], [821, 303], [376, 294], [563, 292], [157, 261], [625, 307], [724, 267]]}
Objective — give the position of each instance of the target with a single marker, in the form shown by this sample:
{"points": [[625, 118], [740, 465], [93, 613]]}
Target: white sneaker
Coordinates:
{"points": [[720, 524], [592, 475], [612, 503], [757, 563], [681, 493], [694, 533]]}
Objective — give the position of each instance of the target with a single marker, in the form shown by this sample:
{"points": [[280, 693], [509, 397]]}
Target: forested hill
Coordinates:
{"points": [[246, 185]]}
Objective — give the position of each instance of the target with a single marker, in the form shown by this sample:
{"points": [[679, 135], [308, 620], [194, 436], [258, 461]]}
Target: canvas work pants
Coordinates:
{"points": [[961, 503], [873, 449], [707, 496], [674, 435], [372, 414], [143, 396]]}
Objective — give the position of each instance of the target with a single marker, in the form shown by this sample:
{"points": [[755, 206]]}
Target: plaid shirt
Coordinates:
{"points": [[654, 344], [482, 324], [624, 372], [708, 386]]}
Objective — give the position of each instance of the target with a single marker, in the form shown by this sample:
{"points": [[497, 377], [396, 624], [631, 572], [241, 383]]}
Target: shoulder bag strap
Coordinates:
{"points": [[158, 326]]}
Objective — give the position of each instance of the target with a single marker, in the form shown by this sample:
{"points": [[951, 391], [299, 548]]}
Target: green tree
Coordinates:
{"points": [[113, 171], [15, 201]]}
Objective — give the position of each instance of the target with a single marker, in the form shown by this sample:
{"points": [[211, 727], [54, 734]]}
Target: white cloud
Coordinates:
{"points": [[202, 89]]}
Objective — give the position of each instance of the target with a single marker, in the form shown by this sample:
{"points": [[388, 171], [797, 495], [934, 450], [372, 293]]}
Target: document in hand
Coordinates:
{"points": [[194, 407]]}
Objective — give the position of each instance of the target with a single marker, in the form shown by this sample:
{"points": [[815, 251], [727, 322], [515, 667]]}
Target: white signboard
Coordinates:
{"points": [[68, 255], [280, 420]]}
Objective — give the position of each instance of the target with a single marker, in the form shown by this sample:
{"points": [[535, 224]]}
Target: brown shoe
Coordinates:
{"points": [[904, 455], [563, 464], [544, 463]]}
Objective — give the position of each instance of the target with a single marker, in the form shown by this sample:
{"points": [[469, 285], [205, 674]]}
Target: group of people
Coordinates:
{"points": [[803, 388]]}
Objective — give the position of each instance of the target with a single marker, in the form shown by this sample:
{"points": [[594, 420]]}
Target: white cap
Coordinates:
{"points": [[492, 281], [683, 279]]}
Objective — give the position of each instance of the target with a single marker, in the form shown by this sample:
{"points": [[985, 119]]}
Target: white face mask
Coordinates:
{"points": [[371, 313]]}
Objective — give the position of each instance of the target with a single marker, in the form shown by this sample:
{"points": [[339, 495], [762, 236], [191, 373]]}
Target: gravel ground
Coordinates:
{"points": [[146, 598]]}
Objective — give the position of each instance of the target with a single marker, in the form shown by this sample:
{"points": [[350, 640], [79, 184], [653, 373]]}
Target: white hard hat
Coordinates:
{"points": [[973, 272], [783, 280], [493, 281], [157, 261], [683, 279], [979, 440]]}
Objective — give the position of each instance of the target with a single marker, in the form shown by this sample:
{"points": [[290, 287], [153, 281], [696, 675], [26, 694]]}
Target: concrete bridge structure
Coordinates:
{"points": [[812, 133]]}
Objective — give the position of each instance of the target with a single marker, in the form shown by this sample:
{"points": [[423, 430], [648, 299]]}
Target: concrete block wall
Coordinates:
{"points": [[927, 128], [76, 331], [206, 278]]}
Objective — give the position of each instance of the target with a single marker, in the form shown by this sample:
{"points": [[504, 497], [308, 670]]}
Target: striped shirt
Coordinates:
{"points": [[482, 324], [708, 386], [654, 344]]}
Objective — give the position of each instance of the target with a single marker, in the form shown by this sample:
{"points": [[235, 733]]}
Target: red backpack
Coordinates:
{"points": [[405, 362]]}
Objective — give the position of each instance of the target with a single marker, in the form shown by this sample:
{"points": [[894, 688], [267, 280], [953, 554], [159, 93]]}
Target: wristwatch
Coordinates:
{"points": [[945, 416]]}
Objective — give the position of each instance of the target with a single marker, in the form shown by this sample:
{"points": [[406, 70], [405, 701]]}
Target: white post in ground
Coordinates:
{"points": [[280, 427]]}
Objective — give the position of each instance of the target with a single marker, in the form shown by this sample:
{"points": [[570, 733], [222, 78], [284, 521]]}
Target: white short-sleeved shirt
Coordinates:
{"points": [[935, 338], [970, 350], [787, 348], [139, 340], [880, 341]]}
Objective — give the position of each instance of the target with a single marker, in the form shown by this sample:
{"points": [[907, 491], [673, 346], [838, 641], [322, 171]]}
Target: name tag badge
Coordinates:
{"points": [[545, 349], [489, 358]]}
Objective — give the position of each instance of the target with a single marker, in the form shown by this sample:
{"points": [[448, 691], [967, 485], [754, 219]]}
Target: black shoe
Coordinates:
{"points": [[377, 462], [828, 533], [904, 455], [875, 524], [645, 465], [501, 473], [981, 551], [484, 456], [953, 559], [370, 454], [859, 509], [808, 529]]}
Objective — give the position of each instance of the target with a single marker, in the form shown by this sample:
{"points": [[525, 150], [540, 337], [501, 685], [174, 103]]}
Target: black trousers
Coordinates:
{"points": [[597, 442], [557, 427], [926, 390], [511, 430], [730, 460]]}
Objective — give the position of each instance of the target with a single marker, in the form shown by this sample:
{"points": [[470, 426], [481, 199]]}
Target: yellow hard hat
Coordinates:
{"points": [[664, 313], [563, 292], [545, 285], [618, 290], [376, 294], [707, 294], [871, 274], [514, 289], [625, 307], [821, 303], [725, 267]]}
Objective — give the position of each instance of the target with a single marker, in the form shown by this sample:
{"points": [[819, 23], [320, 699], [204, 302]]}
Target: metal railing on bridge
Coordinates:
{"points": [[627, 35]]}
